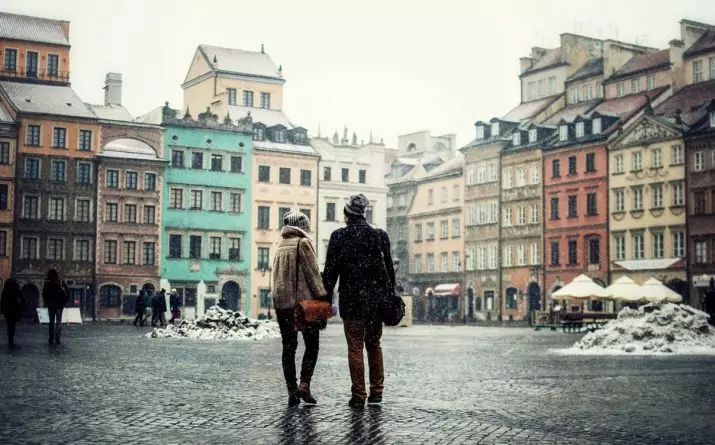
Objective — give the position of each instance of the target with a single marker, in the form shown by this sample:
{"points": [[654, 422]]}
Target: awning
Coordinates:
{"points": [[443, 290]]}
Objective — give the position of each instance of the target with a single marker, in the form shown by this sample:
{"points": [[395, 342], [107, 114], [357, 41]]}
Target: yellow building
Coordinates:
{"points": [[647, 201], [236, 83]]}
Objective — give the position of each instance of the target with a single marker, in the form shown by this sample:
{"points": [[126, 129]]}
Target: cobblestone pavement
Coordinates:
{"points": [[107, 384]]}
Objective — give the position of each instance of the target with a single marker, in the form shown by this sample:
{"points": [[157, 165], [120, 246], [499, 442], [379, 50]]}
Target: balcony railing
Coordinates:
{"points": [[19, 72]]}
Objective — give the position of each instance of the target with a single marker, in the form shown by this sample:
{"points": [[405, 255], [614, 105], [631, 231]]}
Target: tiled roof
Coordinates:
{"points": [[453, 165], [31, 29], [551, 58], [569, 113], [112, 112], [527, 110], [239, 61], [46, 99], [706, 43], [642, 63], [593, 67], [625, 107], [268, 118], [691, 100], [129, 149]]}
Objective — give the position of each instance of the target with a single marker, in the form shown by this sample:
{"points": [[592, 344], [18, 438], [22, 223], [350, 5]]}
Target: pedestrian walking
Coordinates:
{"points": [[55, 295], [175, 304], [140, 308], [297, 281], [158, 307], [710, 301], [11, 308], [359, 256]]}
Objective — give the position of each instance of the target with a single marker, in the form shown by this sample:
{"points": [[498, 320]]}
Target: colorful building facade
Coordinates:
{"points": [[8, 155]]}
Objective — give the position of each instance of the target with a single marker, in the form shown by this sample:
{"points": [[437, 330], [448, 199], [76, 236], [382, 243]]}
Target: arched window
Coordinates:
{"points": [[411, 147], [110, 296]]}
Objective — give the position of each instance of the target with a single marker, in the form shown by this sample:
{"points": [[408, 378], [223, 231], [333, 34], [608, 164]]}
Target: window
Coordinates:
{"points": [[129, 252], [418, 263], [31, 207], [573, 206], [507, 217], [84, 173], [591, 204], [175, 246], [658, 250], [699, 161], [535, 254], [637, 161], [554, 208], [555, 168], [217, 201], [177, 158], [620, 247], [480, 132], [521, 216], [573, 252], [655, 158], [281, 214], [264, 217], [650, 82], [444, 229], [29, 248], [492, 257], [619, 198], [580, 130], [542, 87], [456, 231], [195, 246], [57, 172], [587, 92], [551, 85], [59, 137], [678, 194], [506, 179], [575, 95], [346, 175], [306, 178], [430, 263], [149, 215], [110, 252], [306, 212], [131, 180], [535, 175], [130, 213], [236, 164], [265, 297], [657, 195], [362, 176], [563, 132], [176, 200], [148, 254], [516, 138], [231, 92], [697, 71], [266, 100], [430, 197], [284, 175], [712, 117], [150, 182], [555, 253], [699, 203], [234, 249], [444, 194], [82, 210], [456, 262], [620, 90], [216, 163], [53, 65], [596, 126], [635, 86], [259, 133], [638, 249], [33, 135], [330, 211], [215, 248], [701, 252], [637, 198], [55, 249], [248, 98], [594, 251], [263, 257], [4, 152], [712, 68], [572, 165], [418, 232], [85, 140], [535, 214], [327, 173], [430, 231], [56, 211], [495, 129], [506, 261], [264, 173], [197, 160], [520, 177], [236, 203], [590, 162], [520, 255], [678, 244], [81, 250], [112, 179], [676, 154], [10, 59], [533, 134], [197, 199], [444, 262], [111, 212], [618, 164]]}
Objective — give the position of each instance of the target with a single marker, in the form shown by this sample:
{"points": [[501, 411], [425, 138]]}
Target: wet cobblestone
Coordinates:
{"points": [[107, 384]]}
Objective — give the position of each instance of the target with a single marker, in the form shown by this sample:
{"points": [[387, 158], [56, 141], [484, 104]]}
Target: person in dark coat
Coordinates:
{"points": [[175, 304], [55, 295], [359, 256], [710, 301], [11, 308], [140, 308], [158, 306]]}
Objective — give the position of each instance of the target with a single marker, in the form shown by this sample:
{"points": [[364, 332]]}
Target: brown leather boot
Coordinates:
{"points": [[304, 393]]}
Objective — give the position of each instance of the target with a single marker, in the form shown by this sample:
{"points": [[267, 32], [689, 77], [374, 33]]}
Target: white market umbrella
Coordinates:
{"points": [[625, 289], [656, 292], [582, 287]]}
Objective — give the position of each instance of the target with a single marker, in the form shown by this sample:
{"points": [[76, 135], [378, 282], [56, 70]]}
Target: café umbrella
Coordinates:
{"points": [[581, 288], [656, 292], [625, 289]]}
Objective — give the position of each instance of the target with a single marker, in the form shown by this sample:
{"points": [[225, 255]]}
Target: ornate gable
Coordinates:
{"points": [[646, 130]]}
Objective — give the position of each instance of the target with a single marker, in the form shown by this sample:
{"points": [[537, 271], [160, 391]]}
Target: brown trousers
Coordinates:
{"points": [[364, 335]]}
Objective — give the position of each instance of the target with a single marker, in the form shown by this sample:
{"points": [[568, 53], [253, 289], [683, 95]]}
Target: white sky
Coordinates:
{"points": [[389, 66]]}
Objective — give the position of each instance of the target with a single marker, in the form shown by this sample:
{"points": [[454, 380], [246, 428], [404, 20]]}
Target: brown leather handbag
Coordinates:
{"points": [[309, 311]]}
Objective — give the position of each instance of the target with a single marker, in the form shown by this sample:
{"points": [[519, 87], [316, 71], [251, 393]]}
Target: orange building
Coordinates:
{"points": [[8, 137]]}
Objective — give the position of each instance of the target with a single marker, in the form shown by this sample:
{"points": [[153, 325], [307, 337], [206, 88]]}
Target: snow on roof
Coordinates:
{"points": [[5, 116], [32, 29], [129, 149], [112, 112], [239, 61], [592, 67], [46, 99], [527, 110], [691, 100], [551, 58], [267, 117], [643, 62], [453, 165], [705, 43], [571, 112], [651, 264], [285, 148]]}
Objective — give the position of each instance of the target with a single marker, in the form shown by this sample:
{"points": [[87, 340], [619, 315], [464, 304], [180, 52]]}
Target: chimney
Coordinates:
{"points": [[113, 89], [65, 25], [537, 53], [525, 63], [677, 67]]}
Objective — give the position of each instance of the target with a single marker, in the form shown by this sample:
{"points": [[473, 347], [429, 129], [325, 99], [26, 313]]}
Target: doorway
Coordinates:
{"points": [[231, 293]]}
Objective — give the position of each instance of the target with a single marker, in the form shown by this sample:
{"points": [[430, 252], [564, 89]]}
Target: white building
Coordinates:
{"points": [[347, 168]]}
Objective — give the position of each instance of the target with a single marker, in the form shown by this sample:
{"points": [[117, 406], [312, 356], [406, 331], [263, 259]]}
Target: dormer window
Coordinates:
{"points": [[532, 135], [495, 129], [480, 132], [563, 132], [579, 129], [259, 134], [712, 119], [280, 136], [516, 138], [596, 126], [299, 138]]}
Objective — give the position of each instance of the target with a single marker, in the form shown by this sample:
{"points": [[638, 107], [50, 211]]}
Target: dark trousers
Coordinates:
{"points": [[11, 331], [364, 335], [139, 318], [55, 324], [311, 338]]}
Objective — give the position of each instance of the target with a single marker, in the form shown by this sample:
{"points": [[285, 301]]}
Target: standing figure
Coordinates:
{"points": [[140, 308], [359, 256], [55, 295], [11, 308], [710, 301], [175, 303], [296, 278]]}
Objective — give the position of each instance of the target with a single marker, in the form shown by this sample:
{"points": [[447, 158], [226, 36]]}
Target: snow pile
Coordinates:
{"points": [[220, 324], [653, 329]]}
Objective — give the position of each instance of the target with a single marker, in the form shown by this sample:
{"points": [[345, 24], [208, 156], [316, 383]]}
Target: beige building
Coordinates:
{"points": [[436, 244]]}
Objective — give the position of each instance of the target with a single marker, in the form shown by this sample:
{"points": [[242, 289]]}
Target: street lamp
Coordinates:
{"points": [[264, 269]]}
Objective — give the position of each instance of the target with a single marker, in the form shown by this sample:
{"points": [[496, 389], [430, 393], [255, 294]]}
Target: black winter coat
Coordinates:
{"points": [[55, 294], [359, 256]]}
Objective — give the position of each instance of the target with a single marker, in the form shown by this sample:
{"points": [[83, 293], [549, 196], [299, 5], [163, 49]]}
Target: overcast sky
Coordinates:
{"points": [[390, 66]]}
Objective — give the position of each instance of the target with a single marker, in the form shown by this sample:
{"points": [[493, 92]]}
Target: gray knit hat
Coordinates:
{"points": [[296, 219], [356, 205]]}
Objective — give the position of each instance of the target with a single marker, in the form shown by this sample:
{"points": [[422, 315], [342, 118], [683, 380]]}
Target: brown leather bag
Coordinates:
{"points": [[308, 311]]}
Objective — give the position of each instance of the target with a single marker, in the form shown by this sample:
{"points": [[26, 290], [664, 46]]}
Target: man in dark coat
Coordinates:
{"points": [[710, 301], [140, 308], [359, 256], [11, 308], [55, 295]]}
